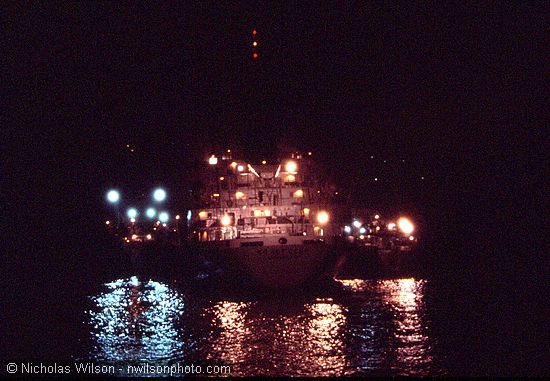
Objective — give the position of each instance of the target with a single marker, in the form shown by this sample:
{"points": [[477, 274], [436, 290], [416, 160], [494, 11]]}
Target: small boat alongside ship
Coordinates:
{"points": [[263, 223]]}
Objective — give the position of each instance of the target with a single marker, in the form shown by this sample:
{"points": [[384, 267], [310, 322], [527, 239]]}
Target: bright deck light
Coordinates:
{"points": [[159, 194], [212, 160], [151, 212], [299, 193], [347, 229], [377, 216], [163, 217], [239, 195], [322, 217], [391, 226], [405, 225], [291, 166], [226, 220], [132, 213], [113, 196], [357, 224]]}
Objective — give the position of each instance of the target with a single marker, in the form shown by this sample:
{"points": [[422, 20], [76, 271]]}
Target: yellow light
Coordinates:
{"points": [[107, 222], [240, 168], [212, 160], [316, 228], [228, 151], [226, 220], [361, 236], [267, 213], [257, 213], [299, 193], [405, 225], [203, 215], [216, 195], [411, 238], [290, 178], [377, 216], [264, 162], [322, 217], [222, 178], [306, 212], [178, 217], [233, 165], [255, 43], [134, 236], [291, 166], [239, 195], [149, 236]]}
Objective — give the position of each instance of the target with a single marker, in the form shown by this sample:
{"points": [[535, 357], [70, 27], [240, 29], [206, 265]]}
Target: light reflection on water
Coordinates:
{"points": [[372, 327], [135, 320]]}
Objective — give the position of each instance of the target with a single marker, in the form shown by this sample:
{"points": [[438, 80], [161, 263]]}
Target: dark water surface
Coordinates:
{"points": [[400, 325], [367, 326]]}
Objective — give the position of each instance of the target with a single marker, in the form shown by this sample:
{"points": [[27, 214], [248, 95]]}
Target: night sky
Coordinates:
{"points": [[444, 89], [456, 92]]}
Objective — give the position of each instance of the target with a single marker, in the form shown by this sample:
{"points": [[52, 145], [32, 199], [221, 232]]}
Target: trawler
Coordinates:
{"points": [[263, 222]]}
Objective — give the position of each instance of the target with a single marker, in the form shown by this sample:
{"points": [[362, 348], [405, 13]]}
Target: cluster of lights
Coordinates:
{"points": [[159, 195], [403, 224], [254, 45]]}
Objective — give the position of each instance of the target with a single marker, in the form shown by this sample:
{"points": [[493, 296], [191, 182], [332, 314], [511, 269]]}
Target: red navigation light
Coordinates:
{"points": [[255, 55], [254, 32]]}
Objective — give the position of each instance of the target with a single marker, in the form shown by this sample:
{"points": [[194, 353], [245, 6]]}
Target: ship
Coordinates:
{"points": [[263, 223], [373, 246]]}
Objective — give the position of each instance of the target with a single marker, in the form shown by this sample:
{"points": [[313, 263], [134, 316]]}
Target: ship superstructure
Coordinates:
{"points": [[264, 220], [243, 200]]}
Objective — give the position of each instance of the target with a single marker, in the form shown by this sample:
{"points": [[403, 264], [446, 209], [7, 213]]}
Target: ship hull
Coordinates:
{"points": [[275, 266]]}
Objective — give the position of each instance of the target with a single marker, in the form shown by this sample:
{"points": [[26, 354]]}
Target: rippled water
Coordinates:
{"points": [[362, 327]]}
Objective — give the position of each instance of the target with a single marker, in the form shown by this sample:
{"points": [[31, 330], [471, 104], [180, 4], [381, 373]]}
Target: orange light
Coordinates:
{"points": [[255, 43], [226, 220], [291, 166], [322, 217], [255, 55], [234, 165], [254, 32]]}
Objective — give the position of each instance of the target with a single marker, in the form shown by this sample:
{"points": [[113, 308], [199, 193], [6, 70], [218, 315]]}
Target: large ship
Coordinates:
{"points": [[265, 222]]}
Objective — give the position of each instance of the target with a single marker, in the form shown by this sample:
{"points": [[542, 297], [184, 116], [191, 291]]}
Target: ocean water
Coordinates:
{"points": [[362, 327], [158, 324]]}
